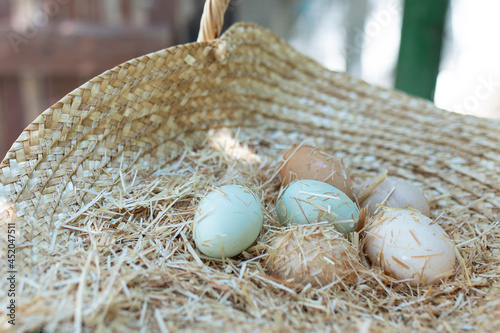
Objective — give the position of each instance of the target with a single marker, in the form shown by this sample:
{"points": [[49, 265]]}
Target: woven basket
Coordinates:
{"points": [[144, 120]]}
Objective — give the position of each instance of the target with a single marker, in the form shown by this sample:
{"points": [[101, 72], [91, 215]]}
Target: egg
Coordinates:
{"points": [[313, 254], [409, 246], [228, 220], [308, 201], [397, 193], [308, 162]]}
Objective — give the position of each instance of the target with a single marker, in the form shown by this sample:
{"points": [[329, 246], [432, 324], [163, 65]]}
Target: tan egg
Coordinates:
{"points": [[308, 162], [397, 193], [315, 254]]}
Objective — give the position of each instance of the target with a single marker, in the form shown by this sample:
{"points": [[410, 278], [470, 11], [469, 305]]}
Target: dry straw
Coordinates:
{"points": [[103, 186]]}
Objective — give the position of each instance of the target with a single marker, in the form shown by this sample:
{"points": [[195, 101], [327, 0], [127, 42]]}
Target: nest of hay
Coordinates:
{"points": [[103, 188]]}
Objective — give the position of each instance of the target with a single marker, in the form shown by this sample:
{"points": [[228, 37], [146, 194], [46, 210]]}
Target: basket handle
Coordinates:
{"points": [[212, 19]]}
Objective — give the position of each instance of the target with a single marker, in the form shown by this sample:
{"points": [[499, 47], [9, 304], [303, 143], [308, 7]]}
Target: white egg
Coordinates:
{"points": [[308, 201], [397, 193], [227, 222], [408, 246]]}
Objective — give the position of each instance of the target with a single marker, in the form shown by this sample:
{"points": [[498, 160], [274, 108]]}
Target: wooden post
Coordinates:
{"points": [[420, 49], [112, 13], [31, 93], [12, 120], [356, 15], [139, 13], [25, 106]]}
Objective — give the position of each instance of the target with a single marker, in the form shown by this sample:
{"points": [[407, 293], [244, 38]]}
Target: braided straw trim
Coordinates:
{"points": [[212, 19]]}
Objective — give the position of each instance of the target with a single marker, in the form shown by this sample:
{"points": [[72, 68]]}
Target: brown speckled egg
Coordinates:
{"points": [[308, 162], [315, 254]]}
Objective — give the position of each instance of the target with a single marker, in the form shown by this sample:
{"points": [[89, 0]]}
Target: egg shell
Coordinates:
{"points": [[309, 201], [404, 195], [314, 254], [408, 246], [308, 162], [228, 220]]}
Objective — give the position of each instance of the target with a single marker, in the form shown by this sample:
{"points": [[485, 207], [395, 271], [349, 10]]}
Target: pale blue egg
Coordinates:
{"points": [[228, 221], [309, 201]]}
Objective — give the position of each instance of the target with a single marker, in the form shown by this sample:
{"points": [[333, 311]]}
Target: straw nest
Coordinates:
{"points": [[103, 187]]}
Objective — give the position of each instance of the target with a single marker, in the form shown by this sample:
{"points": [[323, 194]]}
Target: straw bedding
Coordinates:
{"points": [[104, 185]]}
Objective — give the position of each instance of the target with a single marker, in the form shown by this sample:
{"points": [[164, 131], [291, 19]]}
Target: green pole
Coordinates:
{"points": [[420, 48]]}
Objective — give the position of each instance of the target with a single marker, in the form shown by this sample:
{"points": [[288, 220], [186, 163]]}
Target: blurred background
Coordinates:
{"points": [[444, 50]]}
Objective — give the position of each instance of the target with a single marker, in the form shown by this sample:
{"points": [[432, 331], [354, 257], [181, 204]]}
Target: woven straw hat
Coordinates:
{"points": [[150, 113]]}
